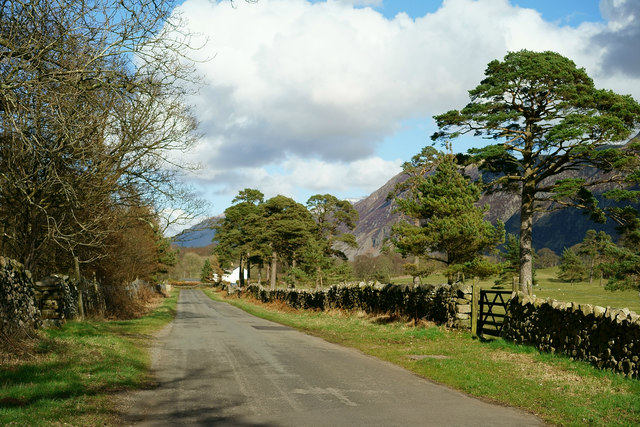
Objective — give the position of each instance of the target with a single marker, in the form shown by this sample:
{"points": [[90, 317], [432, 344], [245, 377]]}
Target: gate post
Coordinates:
{"points": [[475, 296]]}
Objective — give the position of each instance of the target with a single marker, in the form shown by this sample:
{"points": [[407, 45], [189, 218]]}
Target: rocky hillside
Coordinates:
{"points": [[553, 229], [200, 235]]}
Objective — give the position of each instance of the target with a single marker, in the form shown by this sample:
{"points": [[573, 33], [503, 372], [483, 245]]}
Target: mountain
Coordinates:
{"points": [[553, 229], [198, 236]]}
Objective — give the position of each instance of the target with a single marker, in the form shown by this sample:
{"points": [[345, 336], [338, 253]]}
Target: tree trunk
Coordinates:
{"points": [[76, 264], [274, 264], [241, 271], [526, 231], [248, 269], [601, 274]]}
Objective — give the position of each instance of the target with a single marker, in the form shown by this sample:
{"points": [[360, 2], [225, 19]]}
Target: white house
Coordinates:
{"points": [[234, 276]]}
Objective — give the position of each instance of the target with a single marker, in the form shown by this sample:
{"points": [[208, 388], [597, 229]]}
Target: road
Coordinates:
{"points": [[217, 365]]}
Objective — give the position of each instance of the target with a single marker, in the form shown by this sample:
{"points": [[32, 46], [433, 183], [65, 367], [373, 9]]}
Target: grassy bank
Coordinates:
{"points": [[560, 391], [71, 374]]}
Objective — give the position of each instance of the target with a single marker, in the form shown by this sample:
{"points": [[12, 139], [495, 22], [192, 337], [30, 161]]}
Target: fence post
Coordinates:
{"points": [[475, 296]]}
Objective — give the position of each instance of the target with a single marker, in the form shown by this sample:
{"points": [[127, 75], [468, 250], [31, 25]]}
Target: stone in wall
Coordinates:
{"points": [[19, 315]]}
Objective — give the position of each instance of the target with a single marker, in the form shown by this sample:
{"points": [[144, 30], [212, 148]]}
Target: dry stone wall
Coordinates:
{"points": [[19, 314], [608, 338], [440, 303], [56, 299], [60, 299], [26, 306], [461, 300]]}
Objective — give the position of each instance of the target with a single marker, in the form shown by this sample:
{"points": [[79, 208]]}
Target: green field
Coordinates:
{"points": [[549, 286]]}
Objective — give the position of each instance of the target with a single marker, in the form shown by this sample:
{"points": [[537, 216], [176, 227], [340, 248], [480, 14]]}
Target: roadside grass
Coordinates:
{"points": [[558, 390], [74, 372]]}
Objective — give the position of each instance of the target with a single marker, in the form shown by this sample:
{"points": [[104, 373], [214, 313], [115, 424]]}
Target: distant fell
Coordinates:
{"points": [[554, 229], [197, 236]]}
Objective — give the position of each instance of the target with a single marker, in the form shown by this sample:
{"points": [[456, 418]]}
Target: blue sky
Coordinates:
{"points": [[332, 96], [570, 12]]}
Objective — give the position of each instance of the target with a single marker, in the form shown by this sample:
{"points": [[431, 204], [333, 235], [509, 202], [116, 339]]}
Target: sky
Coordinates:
{"points": [[303, 97]]}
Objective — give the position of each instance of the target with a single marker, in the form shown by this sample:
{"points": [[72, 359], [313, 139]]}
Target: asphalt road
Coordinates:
{"points": [[217, 365]]}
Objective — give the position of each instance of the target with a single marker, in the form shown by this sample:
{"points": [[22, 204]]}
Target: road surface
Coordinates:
{"points": [[217, 365]]}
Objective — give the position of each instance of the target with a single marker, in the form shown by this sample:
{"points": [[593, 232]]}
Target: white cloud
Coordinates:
{"points": [[321, 176], [361, 2], [298, 177], [620, 40], [312, 89]]}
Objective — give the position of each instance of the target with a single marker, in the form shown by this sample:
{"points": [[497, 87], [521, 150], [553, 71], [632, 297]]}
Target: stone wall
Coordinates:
{"points": [[60, 298], [19, 314], [608, 338], [461, 300], [443, 304], [56, 300]]}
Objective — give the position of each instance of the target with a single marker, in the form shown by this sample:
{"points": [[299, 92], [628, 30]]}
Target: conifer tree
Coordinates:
{"points": [[288, 227], [571, 267], [241, 232], [547, 118], [594, 248], [207, 271], [451, 228]]}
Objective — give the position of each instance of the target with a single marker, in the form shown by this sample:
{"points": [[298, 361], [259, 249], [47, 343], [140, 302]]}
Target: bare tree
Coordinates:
{"points": [[92, 103]]}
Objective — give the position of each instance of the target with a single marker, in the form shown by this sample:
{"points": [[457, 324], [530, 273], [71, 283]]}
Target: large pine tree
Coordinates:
{"points": [[444, 222], [548, 118]]}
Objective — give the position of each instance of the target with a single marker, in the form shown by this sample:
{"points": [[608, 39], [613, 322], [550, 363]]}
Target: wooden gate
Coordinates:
{"points": [[490, 311]]}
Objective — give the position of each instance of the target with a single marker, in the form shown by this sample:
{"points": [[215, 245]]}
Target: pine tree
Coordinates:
{"points": [[288, 227], [594, 248], [207, 272], [571, 267], [546, 117], [240, 234], [624, 268], [511, 256], [322, 256], [451, 228]]}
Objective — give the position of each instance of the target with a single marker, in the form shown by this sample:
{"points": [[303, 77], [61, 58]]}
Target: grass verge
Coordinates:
{"points": [[74, 372], [558, 390]]}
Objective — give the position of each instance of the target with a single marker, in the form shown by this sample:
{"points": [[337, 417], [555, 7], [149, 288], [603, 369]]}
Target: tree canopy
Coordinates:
{"points": [[240, 233], [547, 118], [89, 110], [284, 231]]}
